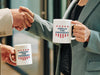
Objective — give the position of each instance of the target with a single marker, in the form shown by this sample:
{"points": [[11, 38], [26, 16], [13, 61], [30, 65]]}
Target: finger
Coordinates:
{"points": [[29, 17], [26, 10], [13, 26], [79, 35], [11, 51], [10, 62], [18, 28], [79, 39], [25, 26], [79, 31], [27, 22], [75, 22], [13, 57], [21, 28], [7, 49], [6, 59], [80, 27]]}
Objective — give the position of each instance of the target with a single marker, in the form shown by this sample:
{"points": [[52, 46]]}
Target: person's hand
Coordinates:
{"points": [[81, 32], [82, 2], [21, 20], [5, 51], [27, 12]]}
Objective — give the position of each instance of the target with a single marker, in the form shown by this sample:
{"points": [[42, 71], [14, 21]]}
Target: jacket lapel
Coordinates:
{"points": [[88, 9]]}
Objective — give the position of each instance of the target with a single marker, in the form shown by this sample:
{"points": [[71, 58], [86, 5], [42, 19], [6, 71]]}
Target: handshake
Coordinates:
{"points": [[22, 18]]}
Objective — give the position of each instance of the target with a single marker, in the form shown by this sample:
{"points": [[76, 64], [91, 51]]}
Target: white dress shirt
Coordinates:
{"points": [[6, 21]]}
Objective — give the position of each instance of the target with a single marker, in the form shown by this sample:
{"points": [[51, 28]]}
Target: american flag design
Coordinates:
{"points": [[62, 31], [24, 54]]}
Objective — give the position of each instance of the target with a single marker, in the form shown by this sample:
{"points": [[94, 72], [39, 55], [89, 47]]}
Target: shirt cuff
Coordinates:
{"points": [[11, 16], [85, 44], [6, 21]]}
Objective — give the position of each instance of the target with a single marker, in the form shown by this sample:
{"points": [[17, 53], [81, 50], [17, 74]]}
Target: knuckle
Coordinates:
{"points": [[84, 27], [83, 33], [77, 39], [30, 25], [83, 39], [31, 20], [32, 14], [75, 26], [73, 34], [23, 14], [73, 30]]}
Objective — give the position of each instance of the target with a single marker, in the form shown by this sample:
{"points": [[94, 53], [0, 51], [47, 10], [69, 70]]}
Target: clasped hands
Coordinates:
{"points": [[22, 18]]}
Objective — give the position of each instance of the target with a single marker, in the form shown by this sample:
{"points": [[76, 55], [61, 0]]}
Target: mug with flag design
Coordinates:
{"points": [[62, 31], [23, 54]]}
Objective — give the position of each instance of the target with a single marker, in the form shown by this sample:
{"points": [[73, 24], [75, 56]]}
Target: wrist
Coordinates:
{"points": [[88, 36], [88, 39], [13, 12]]}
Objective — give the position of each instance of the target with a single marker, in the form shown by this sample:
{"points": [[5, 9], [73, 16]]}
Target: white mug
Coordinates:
{"points": [[23, 54], [62, 31]]}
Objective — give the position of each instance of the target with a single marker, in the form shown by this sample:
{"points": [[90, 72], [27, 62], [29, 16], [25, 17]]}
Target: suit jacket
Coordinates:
{"points": [[5, 22], [85, 60]]}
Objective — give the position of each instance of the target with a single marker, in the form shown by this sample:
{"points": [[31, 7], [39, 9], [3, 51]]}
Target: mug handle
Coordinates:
{"points": [[11, 58], [73, 38]]}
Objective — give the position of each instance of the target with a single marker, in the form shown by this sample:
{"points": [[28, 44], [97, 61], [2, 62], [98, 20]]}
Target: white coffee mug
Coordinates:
{"points": [[62, 31], [23, 54]]}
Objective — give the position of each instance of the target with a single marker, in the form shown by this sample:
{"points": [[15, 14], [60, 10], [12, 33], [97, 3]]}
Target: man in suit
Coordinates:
{"points": [[10, 18], [85, 49]]}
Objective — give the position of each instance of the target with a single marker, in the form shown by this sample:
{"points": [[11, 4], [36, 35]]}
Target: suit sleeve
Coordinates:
{"points": [[42, 28], [6, 22], [94, 42]]}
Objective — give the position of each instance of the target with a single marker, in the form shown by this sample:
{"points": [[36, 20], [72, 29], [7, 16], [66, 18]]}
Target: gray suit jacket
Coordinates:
{"points": [[85, 60]]}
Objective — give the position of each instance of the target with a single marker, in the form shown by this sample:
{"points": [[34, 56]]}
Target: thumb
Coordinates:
{"points": [[21, 8], [12, 51], [75, 22], [24, 9], [7, 49]]}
